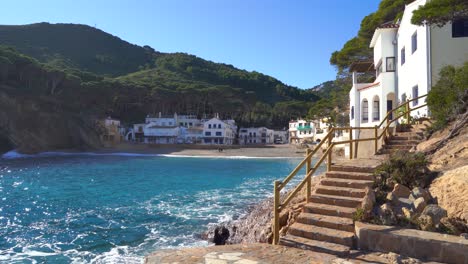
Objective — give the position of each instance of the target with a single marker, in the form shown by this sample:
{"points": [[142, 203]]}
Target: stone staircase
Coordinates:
{"points": [[326, 223], [403, 140]]}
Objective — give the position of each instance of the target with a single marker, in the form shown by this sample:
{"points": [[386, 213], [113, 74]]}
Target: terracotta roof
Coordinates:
{"points": [[389, 24], [368, 86]]}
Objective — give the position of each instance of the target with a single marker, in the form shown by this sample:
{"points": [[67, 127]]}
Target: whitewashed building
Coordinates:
{"points": [[407, 61], [280, 136], [300, 130], [219, 132], [256, 135]]}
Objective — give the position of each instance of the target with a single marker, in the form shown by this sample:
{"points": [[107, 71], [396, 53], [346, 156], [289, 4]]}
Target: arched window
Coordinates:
{"points": [[376, 109], [365, 111]]}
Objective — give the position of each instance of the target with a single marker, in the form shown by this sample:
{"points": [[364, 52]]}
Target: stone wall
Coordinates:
{"points": [[413, 243]]}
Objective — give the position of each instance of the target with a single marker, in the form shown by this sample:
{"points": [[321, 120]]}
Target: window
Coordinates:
{"points": [[365, 111], [352, 112], [243, 130], [460, 28], [219, 125], [207, 133], [207, 140], [390, 64], [218, 133], [415, 95], [209, 125], [190, 124], [255, 134], [414, 42], [378, 68], [402, 56], [181, 124], [403, 97], [376, 110]]}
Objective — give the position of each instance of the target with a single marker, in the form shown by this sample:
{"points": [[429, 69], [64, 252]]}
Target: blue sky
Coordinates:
{"points": [[290, 40]]}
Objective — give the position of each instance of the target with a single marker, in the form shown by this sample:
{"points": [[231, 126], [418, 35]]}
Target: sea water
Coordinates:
{"points": [[82, 208]]}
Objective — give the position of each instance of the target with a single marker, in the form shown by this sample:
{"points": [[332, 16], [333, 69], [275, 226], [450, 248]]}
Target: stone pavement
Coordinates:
{"points": [[267, 254], [238, 254]]}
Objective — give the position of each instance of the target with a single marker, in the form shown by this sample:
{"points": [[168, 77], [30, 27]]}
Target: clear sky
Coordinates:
{"points": [[290, 39]]}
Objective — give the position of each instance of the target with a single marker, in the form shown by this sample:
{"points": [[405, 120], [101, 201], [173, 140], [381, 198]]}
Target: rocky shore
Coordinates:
{"points": [[255, 226]]}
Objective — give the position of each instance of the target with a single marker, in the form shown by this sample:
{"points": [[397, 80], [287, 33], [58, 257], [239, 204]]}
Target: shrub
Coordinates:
{"points": [[449, 96], [406, 168], [358, 215]]}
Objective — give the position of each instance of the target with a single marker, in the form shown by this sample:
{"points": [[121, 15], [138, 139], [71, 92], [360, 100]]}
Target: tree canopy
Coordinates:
{"points": [[440, 12]]}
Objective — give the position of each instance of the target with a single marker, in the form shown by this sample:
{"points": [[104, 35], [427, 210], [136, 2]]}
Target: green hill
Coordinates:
{"points": [[77, 46], [76, 73]]}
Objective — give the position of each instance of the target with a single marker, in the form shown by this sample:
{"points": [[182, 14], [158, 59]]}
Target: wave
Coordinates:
{"points": [[13, 154]]}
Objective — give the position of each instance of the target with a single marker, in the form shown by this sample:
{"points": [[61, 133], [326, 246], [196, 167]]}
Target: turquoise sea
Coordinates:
{"points": [[117, 208]]}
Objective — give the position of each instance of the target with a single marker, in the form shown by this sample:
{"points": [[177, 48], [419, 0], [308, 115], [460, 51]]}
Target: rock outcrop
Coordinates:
{"points": [[32, 126]]}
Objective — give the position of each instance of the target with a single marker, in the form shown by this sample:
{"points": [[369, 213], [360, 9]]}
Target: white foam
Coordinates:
{"points": [[14, 154]]}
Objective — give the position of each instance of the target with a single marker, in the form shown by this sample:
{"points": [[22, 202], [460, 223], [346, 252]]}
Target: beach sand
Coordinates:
{"points": [[280, 150]]}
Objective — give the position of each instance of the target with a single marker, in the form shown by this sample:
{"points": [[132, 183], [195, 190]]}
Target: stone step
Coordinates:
{"points": [[341, 191], [322, 234], [402, 142], [330, 210], [315, 245], [412, 138], [350, 175], [334, 222], [352, 168], [348, 183], [336, 200], [400, 147]]}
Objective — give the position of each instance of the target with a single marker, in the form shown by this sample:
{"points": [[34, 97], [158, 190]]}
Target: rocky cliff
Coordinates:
{"points": [[34, 125]]}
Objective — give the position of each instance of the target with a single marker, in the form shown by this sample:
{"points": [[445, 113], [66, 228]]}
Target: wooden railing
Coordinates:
{"points": [[307, 161]]}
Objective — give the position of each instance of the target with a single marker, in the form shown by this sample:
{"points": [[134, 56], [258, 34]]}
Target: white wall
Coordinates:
{"points": [[446, 50], [415, 70]]}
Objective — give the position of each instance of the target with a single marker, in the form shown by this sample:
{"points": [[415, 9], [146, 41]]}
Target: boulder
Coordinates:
{"points": [[435, 212], [221, 235], [368, 202], [419, 205], [401, 191], [407, 213], [386, 214], [419, 192], [391, 198], [450, 225], [425, 223]]}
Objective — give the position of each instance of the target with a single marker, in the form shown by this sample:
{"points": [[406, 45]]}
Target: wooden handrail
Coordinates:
{"points": [[310, 170]]}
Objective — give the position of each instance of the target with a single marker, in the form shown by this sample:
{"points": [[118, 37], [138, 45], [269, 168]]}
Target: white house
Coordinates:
{"points": [[256, 135], [217, 131], [301, 129], [407, 60], [280, 136]]}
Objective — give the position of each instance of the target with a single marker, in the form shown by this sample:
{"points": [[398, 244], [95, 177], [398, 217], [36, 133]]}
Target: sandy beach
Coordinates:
{"points": [[280, 151]]}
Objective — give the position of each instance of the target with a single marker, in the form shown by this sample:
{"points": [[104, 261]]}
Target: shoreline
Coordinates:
{"points": [[178, 151]]}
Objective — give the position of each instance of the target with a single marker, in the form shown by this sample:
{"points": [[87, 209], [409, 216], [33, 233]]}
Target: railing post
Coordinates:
{"points": [[351, 153], [276, 206], [408, 114], [376, 140], [329, 159], [309, 178]]}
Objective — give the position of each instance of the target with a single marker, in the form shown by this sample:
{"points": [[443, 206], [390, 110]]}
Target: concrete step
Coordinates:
{"points": [[341, 191], [331, 210], [400, 147], [315, 245], [322, 234], [358, 184], [333, 222], [336, 200], [352, 168], [350, 175]]}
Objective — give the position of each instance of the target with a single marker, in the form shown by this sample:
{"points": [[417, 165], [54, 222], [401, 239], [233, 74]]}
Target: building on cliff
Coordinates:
{"points": [[407, 61]]}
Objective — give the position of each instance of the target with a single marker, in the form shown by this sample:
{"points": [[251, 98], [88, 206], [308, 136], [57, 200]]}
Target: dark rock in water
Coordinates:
{"points": [[221, 235]]}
